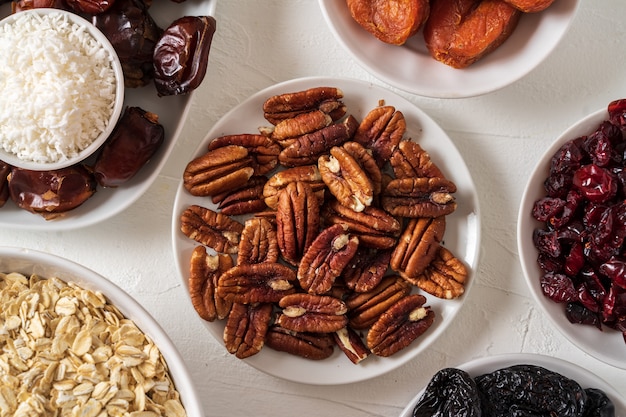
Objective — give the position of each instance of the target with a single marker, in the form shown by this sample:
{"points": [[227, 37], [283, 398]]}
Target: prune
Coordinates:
{"points": [[598, 404], [135, 139], [450, 393], [529, 390]]}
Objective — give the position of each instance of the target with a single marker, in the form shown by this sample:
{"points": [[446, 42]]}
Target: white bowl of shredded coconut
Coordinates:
{"points": [[61, 89]]}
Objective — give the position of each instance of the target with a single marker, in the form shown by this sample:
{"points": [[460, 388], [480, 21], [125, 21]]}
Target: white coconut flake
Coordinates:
{"points": [[57, 87]]}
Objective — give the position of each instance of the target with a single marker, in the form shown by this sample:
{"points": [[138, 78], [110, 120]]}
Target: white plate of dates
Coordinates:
{"points": [[574, 391], [283, 227], [411, 67], [92, 201]]}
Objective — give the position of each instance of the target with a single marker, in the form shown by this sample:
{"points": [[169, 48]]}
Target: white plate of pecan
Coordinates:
{"points": [[327, 230], [43, 202], [410, 65]]}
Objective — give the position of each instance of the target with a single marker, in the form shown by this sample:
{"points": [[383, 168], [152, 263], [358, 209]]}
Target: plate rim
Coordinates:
{"points": [[474, 227]]}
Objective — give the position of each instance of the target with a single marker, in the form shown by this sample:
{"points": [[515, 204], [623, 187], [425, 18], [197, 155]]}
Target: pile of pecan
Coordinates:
{"points": [[323, 230]]}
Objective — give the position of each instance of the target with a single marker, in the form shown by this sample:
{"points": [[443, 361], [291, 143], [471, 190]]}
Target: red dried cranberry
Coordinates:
{"points": [[558, 288], [558, 185], [596, 183], [575, 260], [546, 241], [615, 270], [568, 158], [617, 113], [547, 208], [578, 314]]}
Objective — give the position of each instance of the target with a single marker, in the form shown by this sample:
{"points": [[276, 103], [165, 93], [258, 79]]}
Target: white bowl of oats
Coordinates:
{"points": [[62, 89], [72, 340]]}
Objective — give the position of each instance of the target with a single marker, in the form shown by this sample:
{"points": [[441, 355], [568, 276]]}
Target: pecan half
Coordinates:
{"points": [[366, 269], [262, 150], [218, 170], [288, 105], [409, 160], [246, 327], [444, 277], [381, 130], [375, 227], [418, 245], [326, 258], [351, 345], [258, 242], [365, 308], [312, 313], [243, 200], [297, 220], [307, 148], [256, 283], [204, 271], [211, 228], [314, 346], [419, 197], [309, 174], [288, 130], [400, 325], [346, 179]]}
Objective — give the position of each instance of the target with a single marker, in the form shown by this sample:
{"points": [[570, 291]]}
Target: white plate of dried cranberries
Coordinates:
{"points": [[411, 68], [585, 378], [462, 234], [571, 230]]}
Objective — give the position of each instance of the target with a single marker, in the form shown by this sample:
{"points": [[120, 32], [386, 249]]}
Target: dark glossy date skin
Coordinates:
{"points": [[450, 393], [51, 193], [90, 7], [135, 139], [133, 34], [5, 169], [181, 55]]}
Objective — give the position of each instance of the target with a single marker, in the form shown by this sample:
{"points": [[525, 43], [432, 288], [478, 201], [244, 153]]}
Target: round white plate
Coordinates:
{"points": [[462, 235], [172, 111], [608, 345], [585, 378], [411, 68], [28, 262]]}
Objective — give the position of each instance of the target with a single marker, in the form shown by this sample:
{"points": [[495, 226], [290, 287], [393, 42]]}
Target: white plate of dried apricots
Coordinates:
{"points": [[408, 63], [327, 231]]}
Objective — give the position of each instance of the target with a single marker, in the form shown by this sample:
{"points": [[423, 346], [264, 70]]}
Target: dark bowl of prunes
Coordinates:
{"points": [[571, 233], [520, 384]]}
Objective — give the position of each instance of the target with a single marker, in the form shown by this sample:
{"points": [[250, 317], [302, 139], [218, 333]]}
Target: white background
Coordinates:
{"points": [[501, 135]]}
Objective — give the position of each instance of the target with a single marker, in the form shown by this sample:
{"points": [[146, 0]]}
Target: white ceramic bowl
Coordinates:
{"points": [[584, 377], [27, 261], [608, 345], [118, 104], [411, 68]]}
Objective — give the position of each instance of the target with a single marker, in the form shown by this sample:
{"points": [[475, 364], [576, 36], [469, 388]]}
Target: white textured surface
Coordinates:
{"points": [[501, 136]]}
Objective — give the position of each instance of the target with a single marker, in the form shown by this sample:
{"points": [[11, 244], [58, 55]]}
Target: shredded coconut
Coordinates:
{"points": [[57, 87]]}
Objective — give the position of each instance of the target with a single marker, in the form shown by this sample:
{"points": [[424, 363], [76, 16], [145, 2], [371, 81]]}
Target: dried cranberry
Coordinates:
{"points": [[578, 314], [547, 208], [546, 241], [615, 270], [596, 183], [558, 288], [617, 113], [600, 148], [549, 264], [558, 185], [568, 158], [575, 260]]}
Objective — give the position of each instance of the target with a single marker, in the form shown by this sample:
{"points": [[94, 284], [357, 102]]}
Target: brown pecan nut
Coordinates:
{"points": [[375, 227], [307, 148], [246, 327], [258, 242], [288, 105], [308, 173], [262, 150], [312, 313], [351, 345], [326, 258], [381, 131], [409, 160], [218, 170], [212, 229], [256, 283], [314, 346], [365, 308], [204, 271], [246, 199], [419, 197], [400, 325], [297, 220], [288, 130], [444, 277], [418, 245], [346, 179], [366, 269]]}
